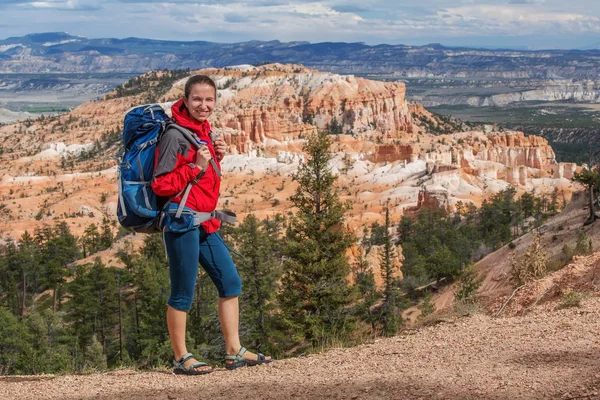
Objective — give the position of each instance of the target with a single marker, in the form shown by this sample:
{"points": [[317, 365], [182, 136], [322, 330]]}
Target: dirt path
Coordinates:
{"points": [[544, 355]]}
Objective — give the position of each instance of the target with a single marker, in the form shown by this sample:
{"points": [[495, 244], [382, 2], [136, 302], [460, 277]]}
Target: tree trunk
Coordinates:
{"points": [[197, 300], [593, 215], [592, 210], [55, 298], [24, 293], [120, 326], [137, 321], [103, 333]]}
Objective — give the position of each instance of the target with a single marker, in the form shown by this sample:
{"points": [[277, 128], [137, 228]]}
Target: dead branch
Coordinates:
{"points": [[506, 302]]}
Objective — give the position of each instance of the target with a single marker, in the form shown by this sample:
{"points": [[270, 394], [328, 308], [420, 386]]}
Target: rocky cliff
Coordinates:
{"points": [[285, 102], [509, 91]]}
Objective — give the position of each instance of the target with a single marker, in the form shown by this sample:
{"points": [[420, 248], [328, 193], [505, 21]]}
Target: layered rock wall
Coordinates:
{"points": [[392, 152], [287, 102], [514, 149]]}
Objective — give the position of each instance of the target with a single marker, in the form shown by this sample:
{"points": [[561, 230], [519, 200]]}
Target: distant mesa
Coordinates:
{"points": [[62, 52], [51, 37]]}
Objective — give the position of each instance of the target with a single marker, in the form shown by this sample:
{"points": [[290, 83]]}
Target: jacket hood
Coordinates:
{"points": [[182, 117]]}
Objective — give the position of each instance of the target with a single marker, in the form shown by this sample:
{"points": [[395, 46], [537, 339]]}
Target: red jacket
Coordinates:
{"points": [[172, 171]]}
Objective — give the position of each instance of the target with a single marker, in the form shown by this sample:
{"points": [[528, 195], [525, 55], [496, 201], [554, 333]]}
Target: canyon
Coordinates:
{"points": [[63, 168]]}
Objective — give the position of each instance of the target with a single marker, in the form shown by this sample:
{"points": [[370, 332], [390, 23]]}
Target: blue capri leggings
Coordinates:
{"points": [[185, 251]]}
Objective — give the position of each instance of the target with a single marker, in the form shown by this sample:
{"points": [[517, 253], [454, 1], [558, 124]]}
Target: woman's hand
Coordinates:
{"points": [[203, 157], [220, 147]]}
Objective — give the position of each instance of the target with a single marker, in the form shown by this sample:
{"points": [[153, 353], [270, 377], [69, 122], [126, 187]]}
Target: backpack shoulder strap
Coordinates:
{"points": [[189, 135], [193, 139], [186, 193]]}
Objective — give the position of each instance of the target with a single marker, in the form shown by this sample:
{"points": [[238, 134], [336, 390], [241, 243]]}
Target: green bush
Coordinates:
{"points": [[571, 299]]}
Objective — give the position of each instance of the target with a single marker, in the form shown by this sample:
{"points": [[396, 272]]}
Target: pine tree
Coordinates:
{"points": [[95, 359], [58, 249], [260, 271], [468, 284], [365, 280], [90, 241], [50, 345], [95, 309], [106, 236], [14, 344], [335, 127], [105, 310], [378, 234], [497, 216], [316, 294], [131, 318], [442, 263], [80, 313], [28, 260], [390, 315], [405, 229], [151, 281], [590, 178], [367, 290], [9, 278]]}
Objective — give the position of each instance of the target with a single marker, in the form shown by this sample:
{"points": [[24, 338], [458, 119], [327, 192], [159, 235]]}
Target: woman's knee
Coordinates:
{"points": [[181, 303], [182, 293], [231, 285]]}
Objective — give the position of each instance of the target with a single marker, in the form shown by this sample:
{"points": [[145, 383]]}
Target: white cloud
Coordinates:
{"points": [[284, 21], [308, 9], [65, 5], [515, 20], [371, 21]]}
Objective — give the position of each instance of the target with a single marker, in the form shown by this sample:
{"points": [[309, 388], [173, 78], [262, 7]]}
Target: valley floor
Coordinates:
{"points": [[552, 354]]}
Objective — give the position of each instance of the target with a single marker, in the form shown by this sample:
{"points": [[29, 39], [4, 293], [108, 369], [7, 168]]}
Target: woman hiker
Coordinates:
{"points": [[179, 163]]}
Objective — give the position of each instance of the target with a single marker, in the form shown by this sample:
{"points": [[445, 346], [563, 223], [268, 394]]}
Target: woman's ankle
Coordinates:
{"points": [[233, 349], [177, 357]]}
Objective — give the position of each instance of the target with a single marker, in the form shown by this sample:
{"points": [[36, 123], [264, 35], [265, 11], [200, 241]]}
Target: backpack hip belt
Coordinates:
{"points": [[200, 217]]}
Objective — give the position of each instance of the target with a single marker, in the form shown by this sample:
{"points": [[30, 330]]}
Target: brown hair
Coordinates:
{"points": [[198, 79]]}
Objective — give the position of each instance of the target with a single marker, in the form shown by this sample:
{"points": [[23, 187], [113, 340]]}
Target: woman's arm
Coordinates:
{"points": [[174, 182], [172, 172]]}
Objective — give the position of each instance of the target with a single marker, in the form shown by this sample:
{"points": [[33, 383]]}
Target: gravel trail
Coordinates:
{"points": [[546, 354]]}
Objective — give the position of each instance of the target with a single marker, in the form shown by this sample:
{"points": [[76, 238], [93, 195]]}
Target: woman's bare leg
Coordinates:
{"points": [[229, 318], [176, 322]]}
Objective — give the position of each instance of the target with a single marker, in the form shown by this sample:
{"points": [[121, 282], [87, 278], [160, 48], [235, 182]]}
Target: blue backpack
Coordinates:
{"points": [[139, 207]]}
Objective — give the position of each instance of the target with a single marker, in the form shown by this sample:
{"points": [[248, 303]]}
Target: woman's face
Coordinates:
{"points": [[201, 101]]}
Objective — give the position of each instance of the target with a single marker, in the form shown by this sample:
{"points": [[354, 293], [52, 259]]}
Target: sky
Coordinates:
{"points": [[521, 24]]}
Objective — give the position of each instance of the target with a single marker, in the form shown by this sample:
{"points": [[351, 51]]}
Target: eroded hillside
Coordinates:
{"points": [[386, 148]]}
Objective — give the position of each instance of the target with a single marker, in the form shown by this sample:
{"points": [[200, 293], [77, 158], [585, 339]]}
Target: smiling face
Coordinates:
{"points": [[201, 101]]}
